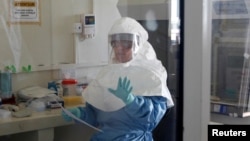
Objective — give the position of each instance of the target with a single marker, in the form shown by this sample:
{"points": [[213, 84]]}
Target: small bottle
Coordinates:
{"points": [[52, 86], [59, 89], [6, 85]]}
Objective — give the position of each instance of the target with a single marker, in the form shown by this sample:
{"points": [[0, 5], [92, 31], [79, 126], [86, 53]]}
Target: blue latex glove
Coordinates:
{"points": [[74, 111], [123, 91]]}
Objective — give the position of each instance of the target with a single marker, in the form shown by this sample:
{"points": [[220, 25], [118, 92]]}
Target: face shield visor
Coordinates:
{"points": [[123, 47]]}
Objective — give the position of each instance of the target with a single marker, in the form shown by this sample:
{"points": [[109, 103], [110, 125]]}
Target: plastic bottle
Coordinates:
{"points": [[5, 85], [52, 86]]}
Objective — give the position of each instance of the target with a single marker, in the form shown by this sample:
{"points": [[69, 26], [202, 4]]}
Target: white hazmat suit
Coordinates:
{"points": [[131, 109]]}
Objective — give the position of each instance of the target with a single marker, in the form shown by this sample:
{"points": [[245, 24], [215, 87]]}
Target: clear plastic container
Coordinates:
{"points": [[70, 95], [69, 87]]}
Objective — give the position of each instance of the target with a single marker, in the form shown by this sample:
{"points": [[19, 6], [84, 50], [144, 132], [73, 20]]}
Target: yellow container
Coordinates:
{"points": [[73, 100]]}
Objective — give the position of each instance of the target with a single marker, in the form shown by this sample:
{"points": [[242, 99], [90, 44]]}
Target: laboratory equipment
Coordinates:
{"points": [[33, 92], [5, 85], [69, 87], [53, 86], [70, 95], [230, 57], [88, 24]]}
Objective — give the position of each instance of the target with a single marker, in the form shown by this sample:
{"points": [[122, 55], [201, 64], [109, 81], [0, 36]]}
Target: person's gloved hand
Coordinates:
{"points": [[123, 90], [74, 111]]}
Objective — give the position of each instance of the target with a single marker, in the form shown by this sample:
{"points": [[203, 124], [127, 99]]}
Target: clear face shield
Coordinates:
{"points": [[123, 47]]}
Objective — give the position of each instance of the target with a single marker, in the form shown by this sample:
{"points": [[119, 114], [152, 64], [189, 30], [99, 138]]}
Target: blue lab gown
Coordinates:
{"points": [[134, 122]]}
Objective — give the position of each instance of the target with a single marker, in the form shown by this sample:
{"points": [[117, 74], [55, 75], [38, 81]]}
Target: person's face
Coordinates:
{"points": [[122, 50]]}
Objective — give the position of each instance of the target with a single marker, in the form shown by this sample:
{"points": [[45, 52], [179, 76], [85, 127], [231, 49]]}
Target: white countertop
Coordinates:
{"points": [[37, 121]]}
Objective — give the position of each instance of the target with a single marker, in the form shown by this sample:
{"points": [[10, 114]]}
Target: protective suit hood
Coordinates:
{"points": [[129, 25]]}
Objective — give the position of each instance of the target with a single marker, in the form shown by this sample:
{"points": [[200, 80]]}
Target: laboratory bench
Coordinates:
{"points": [[41, 123], [42, 126]]}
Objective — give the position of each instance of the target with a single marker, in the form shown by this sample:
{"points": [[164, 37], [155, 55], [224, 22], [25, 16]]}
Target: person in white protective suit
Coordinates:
{"points": [[129, 96]]}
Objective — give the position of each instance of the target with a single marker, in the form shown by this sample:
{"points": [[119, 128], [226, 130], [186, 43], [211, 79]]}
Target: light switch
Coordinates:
{"points": [[77, 28]]}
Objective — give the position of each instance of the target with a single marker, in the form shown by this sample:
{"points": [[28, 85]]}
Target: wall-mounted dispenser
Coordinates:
{"points": [[88, 24]]}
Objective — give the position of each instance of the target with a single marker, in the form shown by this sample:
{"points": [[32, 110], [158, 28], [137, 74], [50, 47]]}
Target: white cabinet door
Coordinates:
{"points": [[62, 19]]}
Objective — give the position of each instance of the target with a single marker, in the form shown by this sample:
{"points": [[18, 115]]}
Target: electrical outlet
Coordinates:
{"points": [[77, 28]]}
